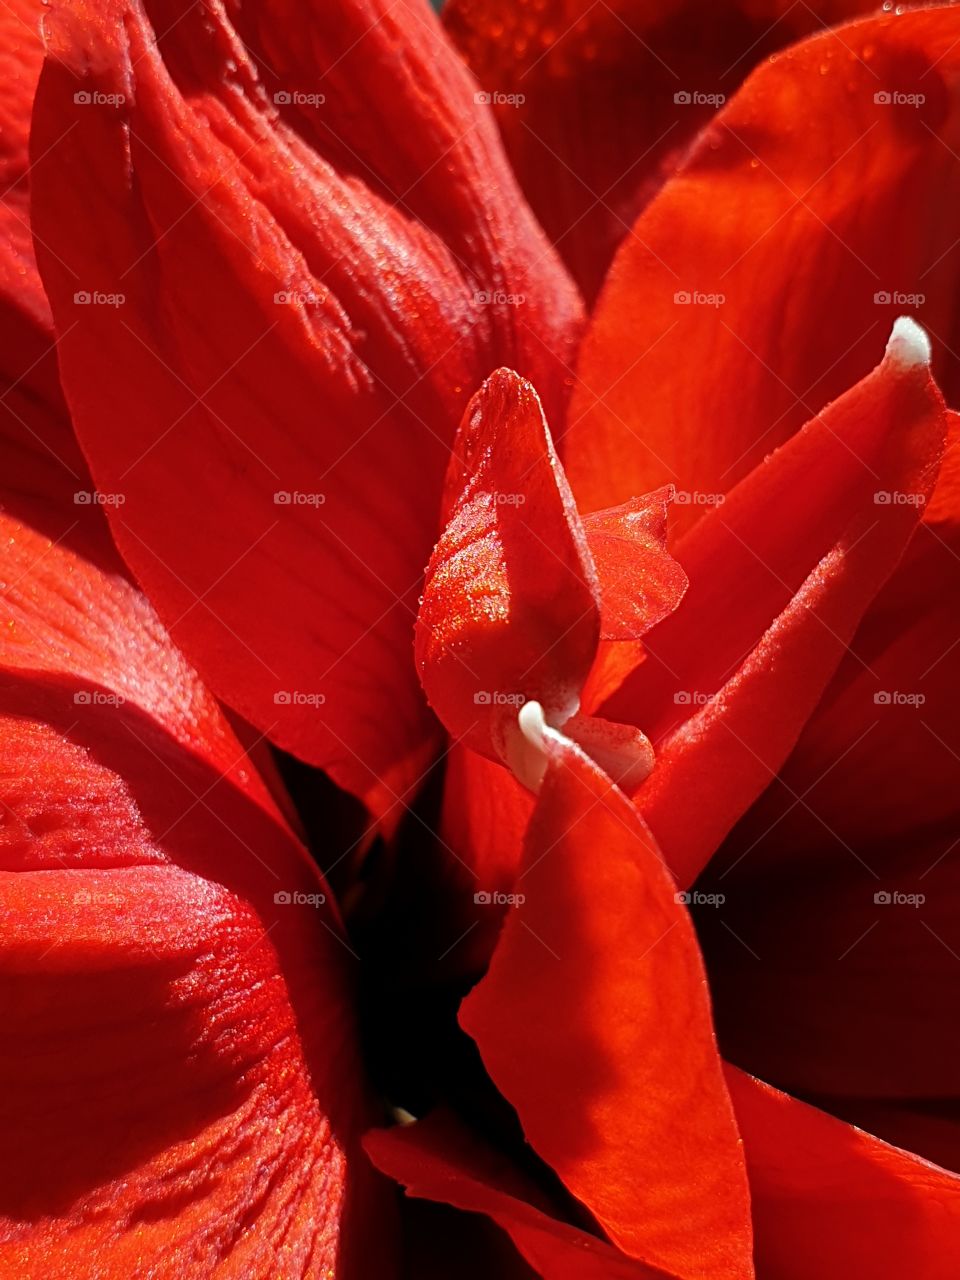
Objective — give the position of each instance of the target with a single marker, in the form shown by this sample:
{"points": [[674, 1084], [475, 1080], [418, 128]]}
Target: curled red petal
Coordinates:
{"points": [[780, 575], [510, 609], [593, 1021]]}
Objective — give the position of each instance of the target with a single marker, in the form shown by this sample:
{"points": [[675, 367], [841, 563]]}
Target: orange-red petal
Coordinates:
{"points": [[593, 1020], [763, 279], [780, 576], [510, 608]]}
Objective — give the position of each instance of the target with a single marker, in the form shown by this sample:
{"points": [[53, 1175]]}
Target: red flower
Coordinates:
{"points": [[279, 256]]}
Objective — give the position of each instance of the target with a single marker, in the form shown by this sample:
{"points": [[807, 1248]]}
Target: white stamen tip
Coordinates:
{"points": [[908, 346], [533, 725]]}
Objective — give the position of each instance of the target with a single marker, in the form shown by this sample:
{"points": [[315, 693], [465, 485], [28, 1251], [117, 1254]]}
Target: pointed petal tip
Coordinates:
{"points": [[909, 344]]}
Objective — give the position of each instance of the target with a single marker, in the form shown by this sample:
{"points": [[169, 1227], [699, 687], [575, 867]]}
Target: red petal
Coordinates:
{"points": [[427, 145], [205, 403], [181, 1078], [42, 467], [482, 824], [21, 55], [794, 215], [780, 576], [510, 609], [594, 1023], [441, 1160], [832, 1202], [640, 584], [598, 125], [882, 747]]}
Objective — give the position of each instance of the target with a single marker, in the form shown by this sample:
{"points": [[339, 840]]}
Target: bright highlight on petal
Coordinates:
{"points": [[514, 607]]}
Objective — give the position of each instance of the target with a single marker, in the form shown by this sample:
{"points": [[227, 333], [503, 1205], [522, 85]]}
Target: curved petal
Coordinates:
{"points": [[780, 575], [440, 1159], [597, 102], [831, 1201], [879, 756], [640, 584], [180, 1077], [266, 357], [593, 1021], [762, 280], [511, 602]]}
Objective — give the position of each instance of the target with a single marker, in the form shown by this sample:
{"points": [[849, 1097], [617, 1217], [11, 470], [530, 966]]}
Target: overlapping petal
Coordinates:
{"points": [[640, 584], [179, 1073], [441, 1160], [762, 281], [511, 604], [266, 355], [598, 102], [593, 1021], [781, 575]]}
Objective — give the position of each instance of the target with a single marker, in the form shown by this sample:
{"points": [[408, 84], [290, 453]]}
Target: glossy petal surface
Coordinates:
{"points": [[510, 610], [640, 584]]}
